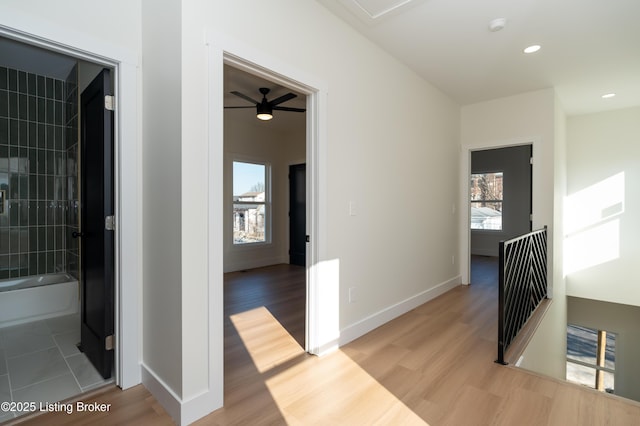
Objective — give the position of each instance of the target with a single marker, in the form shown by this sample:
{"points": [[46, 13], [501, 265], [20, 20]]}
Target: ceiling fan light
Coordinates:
{"points": [[264, 111]]}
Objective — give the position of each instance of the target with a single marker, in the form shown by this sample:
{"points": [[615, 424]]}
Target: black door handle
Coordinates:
{"points": [[76, 234]]}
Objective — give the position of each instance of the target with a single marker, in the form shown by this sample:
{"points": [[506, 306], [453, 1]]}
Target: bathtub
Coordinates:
{"points": [[28, 299]]}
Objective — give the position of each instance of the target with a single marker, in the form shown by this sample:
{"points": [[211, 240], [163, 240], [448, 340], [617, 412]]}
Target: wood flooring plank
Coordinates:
{"points": [[472, 406], [524, 407], [433, 365]]}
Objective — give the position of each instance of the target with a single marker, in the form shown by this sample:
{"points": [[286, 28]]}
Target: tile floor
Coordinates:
{"points": [[39, 362]]}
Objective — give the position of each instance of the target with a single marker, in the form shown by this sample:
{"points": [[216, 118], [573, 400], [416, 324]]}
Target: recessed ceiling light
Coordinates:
{"points": [[608, 95], [532, 49]]}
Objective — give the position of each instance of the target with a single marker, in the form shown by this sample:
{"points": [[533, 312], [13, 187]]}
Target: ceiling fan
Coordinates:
{"points": [[265, 108]]}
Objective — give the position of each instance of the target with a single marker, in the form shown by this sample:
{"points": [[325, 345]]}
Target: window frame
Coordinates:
{"points": [[472, 202], [595, 365], [267, 203]]}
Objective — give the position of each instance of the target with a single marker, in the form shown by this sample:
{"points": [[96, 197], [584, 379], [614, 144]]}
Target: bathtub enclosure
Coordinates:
{"points": [[36, 298], [39, 184]]}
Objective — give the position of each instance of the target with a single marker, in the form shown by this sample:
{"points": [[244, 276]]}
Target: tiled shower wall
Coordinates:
{"points": [[33, 174], [71, 136]]}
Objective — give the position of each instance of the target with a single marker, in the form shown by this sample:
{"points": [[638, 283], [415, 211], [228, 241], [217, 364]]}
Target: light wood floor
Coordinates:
{"points": [[433, 365]]}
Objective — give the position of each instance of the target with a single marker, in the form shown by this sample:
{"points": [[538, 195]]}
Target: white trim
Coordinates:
{"points": [[374, 321], [223, 49], [128, 227], [182, 412], [161, 391], [127, 168], [465, 173], [215, 226]]}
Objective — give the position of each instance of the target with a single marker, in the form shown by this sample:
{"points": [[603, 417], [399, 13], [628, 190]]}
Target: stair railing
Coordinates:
{"points": [[522, 284]]}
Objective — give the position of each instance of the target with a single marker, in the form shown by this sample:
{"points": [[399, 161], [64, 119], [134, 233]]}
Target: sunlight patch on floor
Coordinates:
{"points": [[267, 342], [332, 389]]}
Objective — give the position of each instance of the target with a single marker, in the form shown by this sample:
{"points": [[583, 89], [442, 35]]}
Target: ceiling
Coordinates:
{"points": [[248, 84], [589, 47], [32, 59]]}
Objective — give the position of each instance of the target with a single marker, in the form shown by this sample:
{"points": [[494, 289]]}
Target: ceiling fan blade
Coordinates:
{"points": [[289, 109], [282, 99], [238, 107], [245, 97]]}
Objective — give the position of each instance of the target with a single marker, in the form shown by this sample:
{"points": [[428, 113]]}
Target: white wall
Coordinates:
{"points": [[248, 139], [520, 119], [80, 17], [529, 117], [604, 266], [622, 320], [407, 155], [194, 208], [546, 352], [162, 312]]}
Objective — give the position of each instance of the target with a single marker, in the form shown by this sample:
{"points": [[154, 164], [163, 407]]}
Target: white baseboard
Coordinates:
{"points": [[182, 412], [198, 407], [328, 347], [159, 389], [185, 412], [374, 321]]}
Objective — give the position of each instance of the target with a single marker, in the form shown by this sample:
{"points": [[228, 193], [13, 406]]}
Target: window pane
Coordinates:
{"points": [[486, 215], [486, 186], [586, 376], [608, 382], [249, 202], [486, 201], [580, 374], [248, 178], [582, 344], [248, 223], [610, 352]]}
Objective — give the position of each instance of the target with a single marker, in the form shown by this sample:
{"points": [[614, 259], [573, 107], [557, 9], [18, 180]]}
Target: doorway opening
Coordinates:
{"points": [[259, 277], [321, 320], [42, 270], [499, 200]]}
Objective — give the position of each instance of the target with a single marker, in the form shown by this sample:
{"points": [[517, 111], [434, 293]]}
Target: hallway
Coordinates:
{"points": [[434, 365]]}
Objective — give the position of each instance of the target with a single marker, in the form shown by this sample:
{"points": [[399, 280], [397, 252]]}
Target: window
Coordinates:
{"points": [[486, 201], [250, 203], [591, 357]]}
